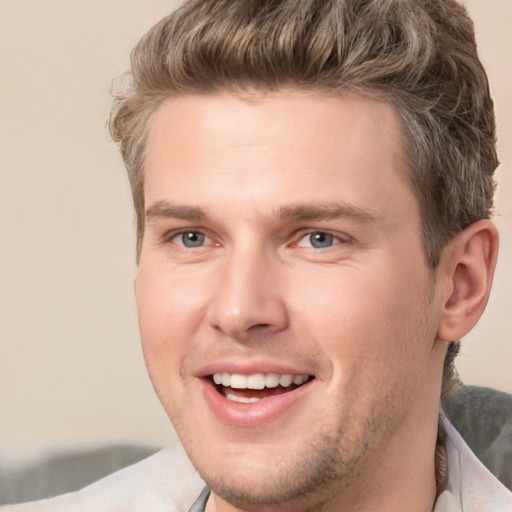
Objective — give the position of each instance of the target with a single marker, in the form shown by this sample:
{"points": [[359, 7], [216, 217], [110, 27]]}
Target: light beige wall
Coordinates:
{"points": [[487, 351], [70, 363]]}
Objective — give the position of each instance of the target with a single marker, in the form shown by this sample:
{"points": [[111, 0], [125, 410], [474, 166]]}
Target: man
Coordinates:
{"points": [[313, 183]]}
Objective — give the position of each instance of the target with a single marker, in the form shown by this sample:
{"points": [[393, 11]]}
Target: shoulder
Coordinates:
{"points": [[165, 482], [483, 417], [471, 486]]}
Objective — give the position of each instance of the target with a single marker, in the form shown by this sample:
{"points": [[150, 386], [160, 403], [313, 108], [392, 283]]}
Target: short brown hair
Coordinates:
{"points": [[419, 55]]}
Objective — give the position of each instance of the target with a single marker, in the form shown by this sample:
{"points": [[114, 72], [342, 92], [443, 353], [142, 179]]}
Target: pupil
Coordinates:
{"points": [[319, 240], [192, 239]]}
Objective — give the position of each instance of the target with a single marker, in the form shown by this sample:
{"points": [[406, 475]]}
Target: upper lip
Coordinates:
{"points": [[249, 368]]}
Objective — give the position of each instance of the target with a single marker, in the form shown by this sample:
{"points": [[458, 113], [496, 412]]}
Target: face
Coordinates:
{"points": [[286, 310]]}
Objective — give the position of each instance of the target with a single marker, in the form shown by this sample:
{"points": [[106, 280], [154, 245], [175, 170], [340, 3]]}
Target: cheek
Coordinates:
{"points": [[366, 320], [161, 319], [169, 305], [161, 335]]}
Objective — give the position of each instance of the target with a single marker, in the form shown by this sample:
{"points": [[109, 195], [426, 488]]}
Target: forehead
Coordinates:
{"points": [[290, 146], [295, 115]]}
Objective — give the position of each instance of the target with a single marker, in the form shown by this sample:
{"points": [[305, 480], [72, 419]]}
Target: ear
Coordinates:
{"points": [[467, 266]]}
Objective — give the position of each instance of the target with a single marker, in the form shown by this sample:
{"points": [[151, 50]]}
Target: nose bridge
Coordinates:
{"points": [[248, 294]]}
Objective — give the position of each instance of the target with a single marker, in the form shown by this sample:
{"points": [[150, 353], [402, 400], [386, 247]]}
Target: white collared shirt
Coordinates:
{"points": [[167, 482], [471, 486]]}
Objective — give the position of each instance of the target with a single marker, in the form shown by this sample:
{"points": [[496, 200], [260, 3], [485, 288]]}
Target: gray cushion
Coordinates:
{"points": [[483, 417], [66, 472]]}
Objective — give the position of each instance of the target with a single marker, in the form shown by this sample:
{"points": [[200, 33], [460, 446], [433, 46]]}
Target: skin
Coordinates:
{"points": [[363, 314]]}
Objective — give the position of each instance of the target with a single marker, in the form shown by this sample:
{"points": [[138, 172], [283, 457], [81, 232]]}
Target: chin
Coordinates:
{"points": [[257, 477]]}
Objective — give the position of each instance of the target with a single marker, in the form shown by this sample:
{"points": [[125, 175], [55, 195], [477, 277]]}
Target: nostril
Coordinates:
{"points": [[259, 327]]}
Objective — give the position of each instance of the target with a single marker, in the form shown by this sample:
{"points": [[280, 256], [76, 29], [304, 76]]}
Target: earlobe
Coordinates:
{"points": [[467, 264]]}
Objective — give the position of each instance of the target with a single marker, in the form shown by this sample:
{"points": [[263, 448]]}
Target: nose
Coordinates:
{"points": [[248, 298]]}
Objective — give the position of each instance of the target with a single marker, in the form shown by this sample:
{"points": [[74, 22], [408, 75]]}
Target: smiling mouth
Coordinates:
{"points": [[255, 387]]}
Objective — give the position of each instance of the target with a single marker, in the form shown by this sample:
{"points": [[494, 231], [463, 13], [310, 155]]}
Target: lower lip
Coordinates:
{"points": [[253, 414]]}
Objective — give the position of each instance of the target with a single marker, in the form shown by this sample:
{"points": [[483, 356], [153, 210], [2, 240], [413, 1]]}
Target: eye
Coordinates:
{"points": [[191, 239], [318, 240]]}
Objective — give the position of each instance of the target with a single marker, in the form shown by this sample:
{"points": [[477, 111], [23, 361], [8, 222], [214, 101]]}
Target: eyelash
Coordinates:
{"points": [[175, 237], [336, 239]]}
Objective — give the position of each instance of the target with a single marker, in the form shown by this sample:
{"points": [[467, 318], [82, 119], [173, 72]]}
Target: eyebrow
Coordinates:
{"points": [[165, 210], [301, 212], [326, 211]]}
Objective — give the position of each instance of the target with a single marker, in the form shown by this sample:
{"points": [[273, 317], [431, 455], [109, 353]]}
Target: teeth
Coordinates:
{"points": [[258, 380], [300, 379], [237, 381], [285, 380], [241, 399], [272, 380]]}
